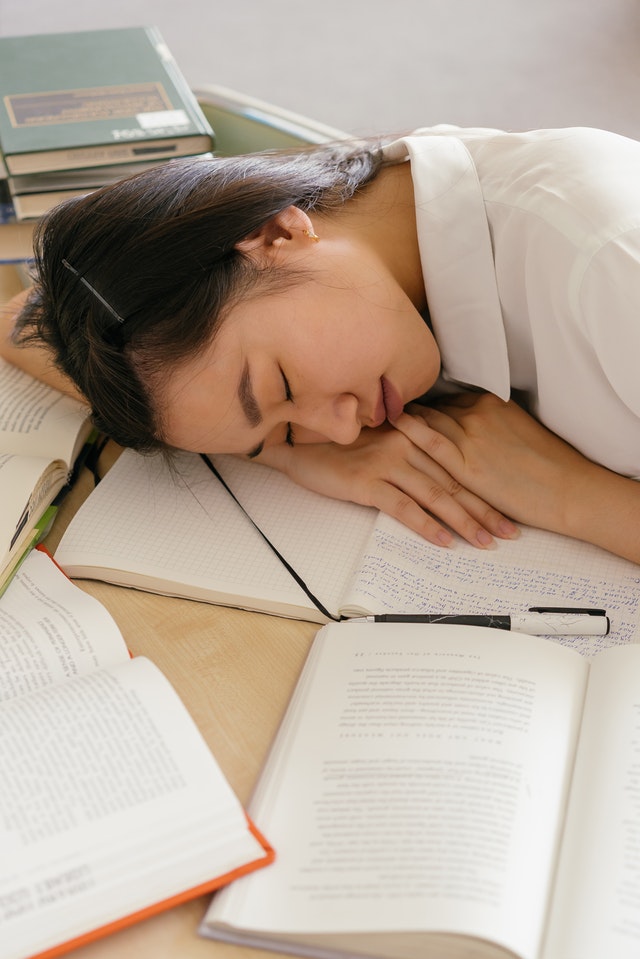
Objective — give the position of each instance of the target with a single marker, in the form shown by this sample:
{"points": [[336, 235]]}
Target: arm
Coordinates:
{"points": [[497, 450], [33, 359], [386, 470]]}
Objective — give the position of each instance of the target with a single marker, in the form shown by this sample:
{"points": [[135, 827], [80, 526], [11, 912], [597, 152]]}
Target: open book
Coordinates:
{"points": [[179, 531], [422, 796], [41, 434], [111, 804]]}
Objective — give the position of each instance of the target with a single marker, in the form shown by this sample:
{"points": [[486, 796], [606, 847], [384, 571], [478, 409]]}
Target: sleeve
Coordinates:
{"points": [[610, 307]]}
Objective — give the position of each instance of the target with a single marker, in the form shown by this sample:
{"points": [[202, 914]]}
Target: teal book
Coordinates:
{"points": [[95, 98]]}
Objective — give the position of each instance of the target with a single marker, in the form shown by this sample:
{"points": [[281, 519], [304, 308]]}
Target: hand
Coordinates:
{"points": [[33, 358], [385, 469], [506, 457]]}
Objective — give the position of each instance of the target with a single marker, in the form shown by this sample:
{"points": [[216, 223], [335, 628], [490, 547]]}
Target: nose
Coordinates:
{"points": [[335, 419]]}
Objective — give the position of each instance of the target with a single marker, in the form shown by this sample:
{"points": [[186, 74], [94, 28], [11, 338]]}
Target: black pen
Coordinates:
{"points": [[538, 621]]}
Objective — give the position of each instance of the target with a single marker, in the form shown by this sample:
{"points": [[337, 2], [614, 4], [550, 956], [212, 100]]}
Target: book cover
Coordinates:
{"points": [[31, 206], [94, 97], [131, 814]]}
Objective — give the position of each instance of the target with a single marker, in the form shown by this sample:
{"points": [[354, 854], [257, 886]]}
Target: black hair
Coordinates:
{"points": [[158, 251]]}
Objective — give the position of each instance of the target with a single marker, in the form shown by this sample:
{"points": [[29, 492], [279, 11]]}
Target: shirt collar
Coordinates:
{"points": [[457, 261]]}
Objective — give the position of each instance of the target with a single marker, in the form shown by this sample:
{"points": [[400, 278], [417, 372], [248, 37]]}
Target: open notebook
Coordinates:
{"points": [[179, 531]]}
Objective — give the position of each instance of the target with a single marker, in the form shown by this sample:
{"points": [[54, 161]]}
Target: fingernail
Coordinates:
{"points": [[508, 529], [485, 539], [444, 538]]}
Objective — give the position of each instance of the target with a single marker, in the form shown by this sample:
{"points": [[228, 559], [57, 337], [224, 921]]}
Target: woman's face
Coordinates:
{"points": [[341, 349]]}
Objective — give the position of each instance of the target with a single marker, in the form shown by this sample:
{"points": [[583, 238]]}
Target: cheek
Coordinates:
{"points": [[426, 348], [433, 352], [305, 437]]}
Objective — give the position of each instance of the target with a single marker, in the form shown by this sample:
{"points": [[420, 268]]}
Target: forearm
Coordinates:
{"points": [[33, 359], [604, 509]]}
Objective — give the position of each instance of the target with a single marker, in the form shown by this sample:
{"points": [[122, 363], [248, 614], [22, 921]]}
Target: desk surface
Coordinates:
{"points": [[235, 671]]}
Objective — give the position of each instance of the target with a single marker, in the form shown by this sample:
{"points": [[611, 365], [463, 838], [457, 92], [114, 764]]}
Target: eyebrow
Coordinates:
{"points": [[249, 406], [247, 398]]}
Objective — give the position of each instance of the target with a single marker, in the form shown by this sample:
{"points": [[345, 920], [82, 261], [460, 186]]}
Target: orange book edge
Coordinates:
{"points": [[193, 893], [43, 549]]}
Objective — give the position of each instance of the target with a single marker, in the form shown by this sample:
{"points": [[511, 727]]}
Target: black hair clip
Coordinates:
{"points": [[113, 334]]}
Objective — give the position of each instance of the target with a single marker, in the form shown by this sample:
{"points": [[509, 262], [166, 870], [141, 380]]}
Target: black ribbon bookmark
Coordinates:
{"points": [[316, 602]]}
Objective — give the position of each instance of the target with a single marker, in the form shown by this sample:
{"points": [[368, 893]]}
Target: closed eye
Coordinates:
{"points": [[289, 438]]}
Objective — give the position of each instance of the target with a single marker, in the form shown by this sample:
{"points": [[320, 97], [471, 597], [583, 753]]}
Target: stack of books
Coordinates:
{"points": [[80, 110]]}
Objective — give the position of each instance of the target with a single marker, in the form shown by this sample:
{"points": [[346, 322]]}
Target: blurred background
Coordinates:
{"points": [[385, 66]]}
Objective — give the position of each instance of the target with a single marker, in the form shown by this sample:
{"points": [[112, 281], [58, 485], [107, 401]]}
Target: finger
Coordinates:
{"points": [[397, 504], [445, 418], [426, 465], [426, 511], [420, 476], [437, 442], [489, 518]]}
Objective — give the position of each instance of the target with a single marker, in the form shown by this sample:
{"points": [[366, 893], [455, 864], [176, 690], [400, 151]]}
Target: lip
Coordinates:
{"points": [[380, 412], [392, 401]]}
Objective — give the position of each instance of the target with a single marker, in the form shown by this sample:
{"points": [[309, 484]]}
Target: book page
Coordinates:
{"points": [[180, 531], [51, 631], [404, 784], [37, 420], [322, 538], [596, 906], [401, 572], [360, 561], [183, 528], [114, 803], [27, 486]]}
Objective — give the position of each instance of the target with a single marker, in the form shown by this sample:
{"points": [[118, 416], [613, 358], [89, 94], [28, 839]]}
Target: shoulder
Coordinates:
{"points": [[561, 142], [580, 155], [578, 186], [607, 293], [592, 172]]}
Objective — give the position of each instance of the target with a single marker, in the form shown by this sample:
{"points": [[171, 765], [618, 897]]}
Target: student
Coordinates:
{"points": [[289, 307]]}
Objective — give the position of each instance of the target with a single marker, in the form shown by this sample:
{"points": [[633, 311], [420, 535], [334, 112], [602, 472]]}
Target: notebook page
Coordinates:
{"points": [[180, 525], [322, 538], [401, 572]]}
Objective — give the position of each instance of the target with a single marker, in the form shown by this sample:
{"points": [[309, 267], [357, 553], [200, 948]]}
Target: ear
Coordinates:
{"points": [[286, 228]]}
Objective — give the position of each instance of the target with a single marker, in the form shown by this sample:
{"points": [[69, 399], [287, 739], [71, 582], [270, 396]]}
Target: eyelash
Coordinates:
{"points": [[290, 438]]}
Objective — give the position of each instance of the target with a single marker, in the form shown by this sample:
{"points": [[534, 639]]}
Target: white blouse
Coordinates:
{"points": [[530, 247]]}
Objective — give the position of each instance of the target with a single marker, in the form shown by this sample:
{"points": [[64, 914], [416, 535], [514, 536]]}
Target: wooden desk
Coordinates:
{"points": [[235, 671]]}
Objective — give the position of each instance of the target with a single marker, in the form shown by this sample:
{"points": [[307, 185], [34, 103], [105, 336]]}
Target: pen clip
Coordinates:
{"points": [[578, 610]]}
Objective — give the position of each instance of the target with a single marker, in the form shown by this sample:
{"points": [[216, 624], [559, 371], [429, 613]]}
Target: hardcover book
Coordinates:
{"points": [[93, 98], [112, 806], [30, 196]]}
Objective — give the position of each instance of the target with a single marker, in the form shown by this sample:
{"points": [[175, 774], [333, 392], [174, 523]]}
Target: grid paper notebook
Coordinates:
{"points": [[185, 528]]}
